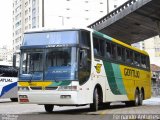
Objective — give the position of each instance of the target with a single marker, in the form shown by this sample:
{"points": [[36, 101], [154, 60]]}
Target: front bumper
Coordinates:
{"points": [[52, 97]]}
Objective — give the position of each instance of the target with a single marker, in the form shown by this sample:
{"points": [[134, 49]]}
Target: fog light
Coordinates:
{"points": [[65, 96], [23, 88]]}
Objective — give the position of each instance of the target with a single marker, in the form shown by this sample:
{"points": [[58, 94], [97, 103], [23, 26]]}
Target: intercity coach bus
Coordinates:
{"points": [[74, 67], [8, 82]]}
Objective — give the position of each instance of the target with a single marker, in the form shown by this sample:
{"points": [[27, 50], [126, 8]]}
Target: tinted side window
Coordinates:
{"points": [[129, 56], [143, 61], [137, 59], [84, 58], [85, 65], [120, 54], [113, 47], [98, 46], [148, 62], [7, 71], [128, 60], [85, 38], [101, 42], [108, 50]]}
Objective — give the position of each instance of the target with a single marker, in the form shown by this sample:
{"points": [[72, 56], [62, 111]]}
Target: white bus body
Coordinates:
{"points": [[8, 82]]}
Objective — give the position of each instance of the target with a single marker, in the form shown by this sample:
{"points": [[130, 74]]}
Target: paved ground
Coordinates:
{"points": [[116, 111]]}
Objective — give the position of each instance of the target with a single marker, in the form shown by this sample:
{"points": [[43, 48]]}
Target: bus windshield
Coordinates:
{"points": [[31, 64], [61, 64], [49, 64]]}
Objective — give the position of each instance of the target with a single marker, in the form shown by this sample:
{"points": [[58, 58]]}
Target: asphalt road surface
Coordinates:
{"points": [[15, 111]]}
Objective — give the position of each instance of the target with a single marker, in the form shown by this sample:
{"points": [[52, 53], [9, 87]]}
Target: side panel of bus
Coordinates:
{"points": [[124, 80], [8, 87]]}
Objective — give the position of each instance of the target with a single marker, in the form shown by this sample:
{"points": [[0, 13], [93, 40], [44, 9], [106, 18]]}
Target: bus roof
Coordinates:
{"points": [[53, 29]]}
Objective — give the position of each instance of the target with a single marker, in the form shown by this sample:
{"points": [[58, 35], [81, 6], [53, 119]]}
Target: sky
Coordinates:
{"points": [[6, 23]]}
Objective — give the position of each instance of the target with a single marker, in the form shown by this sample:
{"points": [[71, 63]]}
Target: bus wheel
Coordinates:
{"points": [[49, 108], [14, 99], [95, 104], [136, 101], [140, 98]]}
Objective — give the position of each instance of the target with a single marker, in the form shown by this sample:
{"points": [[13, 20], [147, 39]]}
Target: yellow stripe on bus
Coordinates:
{"points": [[33, 84]]}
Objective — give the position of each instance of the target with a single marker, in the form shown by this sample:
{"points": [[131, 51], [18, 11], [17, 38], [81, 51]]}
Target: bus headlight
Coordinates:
{"points": [[23, 89], [67, 88], [23, 98]]}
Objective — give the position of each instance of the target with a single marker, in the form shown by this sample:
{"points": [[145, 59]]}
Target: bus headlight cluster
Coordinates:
{"points": [[23, 89], [23, 98], [67, 88]]}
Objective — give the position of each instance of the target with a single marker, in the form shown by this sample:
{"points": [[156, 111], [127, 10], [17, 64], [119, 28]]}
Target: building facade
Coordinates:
{"points": [[5, 56], [155, 80], [24, 18], [28, 14], [152, 46], [113, 4]]}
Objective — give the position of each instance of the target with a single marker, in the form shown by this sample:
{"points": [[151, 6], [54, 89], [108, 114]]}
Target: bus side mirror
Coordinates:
{"points": [[14, 60]]}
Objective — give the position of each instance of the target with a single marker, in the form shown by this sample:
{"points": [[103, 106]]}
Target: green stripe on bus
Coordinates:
{"points": [[66, 82], [60, 83], [118, 78], [111, 77], [102, 35]]}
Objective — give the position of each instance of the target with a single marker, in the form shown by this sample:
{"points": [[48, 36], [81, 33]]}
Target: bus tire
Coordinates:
{"points": [[137, 98], [14, 99], [49, 108], [94, 106], [140, 98]]}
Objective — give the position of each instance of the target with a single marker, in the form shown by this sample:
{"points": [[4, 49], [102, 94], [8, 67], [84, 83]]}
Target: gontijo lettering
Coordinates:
{"points": [[131, 73]]}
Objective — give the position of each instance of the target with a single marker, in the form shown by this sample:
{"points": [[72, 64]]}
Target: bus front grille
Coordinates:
{"points": [[36, 88], [45, 88], [51, 88]]}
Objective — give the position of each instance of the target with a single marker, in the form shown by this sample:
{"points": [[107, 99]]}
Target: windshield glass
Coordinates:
{"points": [[61, 64], [32, 64], [49, 64]]}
